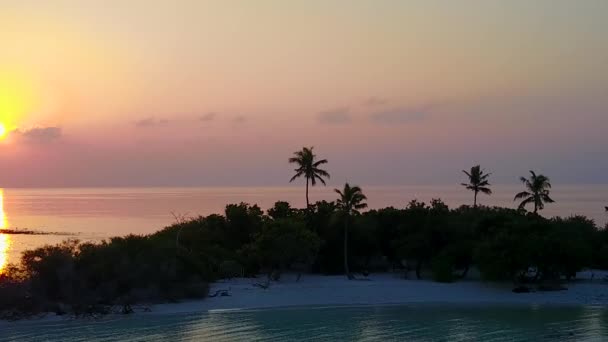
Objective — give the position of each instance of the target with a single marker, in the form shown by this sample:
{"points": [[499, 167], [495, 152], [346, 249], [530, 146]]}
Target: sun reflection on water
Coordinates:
{"points": [[5, 240]]}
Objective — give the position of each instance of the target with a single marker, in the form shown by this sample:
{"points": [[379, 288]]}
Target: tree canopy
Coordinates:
{"points": [[536, 193]]}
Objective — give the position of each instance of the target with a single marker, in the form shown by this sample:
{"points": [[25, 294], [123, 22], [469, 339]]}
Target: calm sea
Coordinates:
{"points": [[392, 323], [97, 213]]}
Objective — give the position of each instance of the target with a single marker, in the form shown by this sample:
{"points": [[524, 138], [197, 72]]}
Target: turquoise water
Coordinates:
{"points": [[399, 323]]}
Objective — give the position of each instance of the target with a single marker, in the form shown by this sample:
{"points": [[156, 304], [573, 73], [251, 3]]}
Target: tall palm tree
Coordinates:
{"points": [[537, 192], [478, 182], [308, 167], [349, 203]]}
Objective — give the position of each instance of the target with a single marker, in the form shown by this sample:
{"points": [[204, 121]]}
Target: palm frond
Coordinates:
{"points": [[540, 205], [320, 179], [322, 161], [525, 202], [522, 195], [305, 159], [357, 198], [321, 173], [361, 206], [486, 191], [547, 199], [298, 174], [538, 186], [355, 189], [351, 199]]}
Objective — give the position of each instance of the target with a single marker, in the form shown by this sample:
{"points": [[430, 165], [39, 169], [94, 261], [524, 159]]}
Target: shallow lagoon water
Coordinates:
{"points": [[363, 323]]}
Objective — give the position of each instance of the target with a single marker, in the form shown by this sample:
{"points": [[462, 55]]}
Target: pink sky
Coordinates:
{"points": [[103, 93]]}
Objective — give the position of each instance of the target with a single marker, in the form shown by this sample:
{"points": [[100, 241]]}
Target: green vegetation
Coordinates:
{"points": [[537, 192], [308, 167], [349, 203], [478, 182], [326, 237], [504, 244]]}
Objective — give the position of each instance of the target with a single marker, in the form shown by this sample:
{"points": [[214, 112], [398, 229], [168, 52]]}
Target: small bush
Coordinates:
{"points": [[230, 269], [442, 267]]}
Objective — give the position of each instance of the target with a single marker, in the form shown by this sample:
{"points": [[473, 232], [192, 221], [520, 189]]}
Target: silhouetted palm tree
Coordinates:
{"points": [[351, 200], [537, 192], [478, 182], [308, 168]]}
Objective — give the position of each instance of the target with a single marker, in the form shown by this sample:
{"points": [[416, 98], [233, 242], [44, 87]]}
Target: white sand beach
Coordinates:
{"points": [[377, 289], [382, 289]]}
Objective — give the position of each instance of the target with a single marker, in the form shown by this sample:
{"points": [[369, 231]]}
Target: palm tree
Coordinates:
{"points": [[351, 200], [478, 182], [309, 168], [537, 192]]}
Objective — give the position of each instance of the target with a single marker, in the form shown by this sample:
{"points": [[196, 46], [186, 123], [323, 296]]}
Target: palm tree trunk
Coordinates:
{"points": [[535, 205], [307, 203], [475, 200], [419, 269], [346, 270]]}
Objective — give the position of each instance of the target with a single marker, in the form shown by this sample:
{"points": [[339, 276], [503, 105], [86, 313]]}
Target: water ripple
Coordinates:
{"points": [[394, 323]]}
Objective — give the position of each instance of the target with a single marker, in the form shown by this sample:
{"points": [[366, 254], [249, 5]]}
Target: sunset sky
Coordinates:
{"points": [[196, 92]]}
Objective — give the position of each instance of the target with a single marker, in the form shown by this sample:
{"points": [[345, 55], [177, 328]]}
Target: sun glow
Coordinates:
{"points": [[5, 242], [15, 101]]}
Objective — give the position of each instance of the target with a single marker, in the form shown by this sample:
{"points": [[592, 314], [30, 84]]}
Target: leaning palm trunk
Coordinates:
{"points": [[307, 202]]}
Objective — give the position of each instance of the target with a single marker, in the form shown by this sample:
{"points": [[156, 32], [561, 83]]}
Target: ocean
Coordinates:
{"points": [[367, 323], [97, 213]]}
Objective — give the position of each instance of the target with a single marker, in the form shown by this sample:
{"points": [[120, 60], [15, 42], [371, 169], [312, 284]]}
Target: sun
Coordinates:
{"points": [[15, 100]]}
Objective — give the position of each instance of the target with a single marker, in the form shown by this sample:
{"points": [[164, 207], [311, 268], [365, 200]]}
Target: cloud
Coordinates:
{"points": [[151, 122], [374, 101], [38, 135], [208, 117], [335, 116], [239, 119], [399, 116]]}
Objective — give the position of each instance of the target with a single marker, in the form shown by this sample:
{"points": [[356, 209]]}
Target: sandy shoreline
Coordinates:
{"points": [[380, 289]]}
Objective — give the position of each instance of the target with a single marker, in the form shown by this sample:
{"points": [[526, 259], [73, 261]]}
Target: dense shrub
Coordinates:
{"points": [[182, 259], [443, 269], [283, 242]]}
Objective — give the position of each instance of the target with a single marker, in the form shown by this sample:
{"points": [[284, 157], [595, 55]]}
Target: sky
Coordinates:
{"points": [[221, 93]]}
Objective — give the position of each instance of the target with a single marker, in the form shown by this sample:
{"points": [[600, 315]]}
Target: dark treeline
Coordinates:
{"points": [[334, 237], [179, 261]]}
